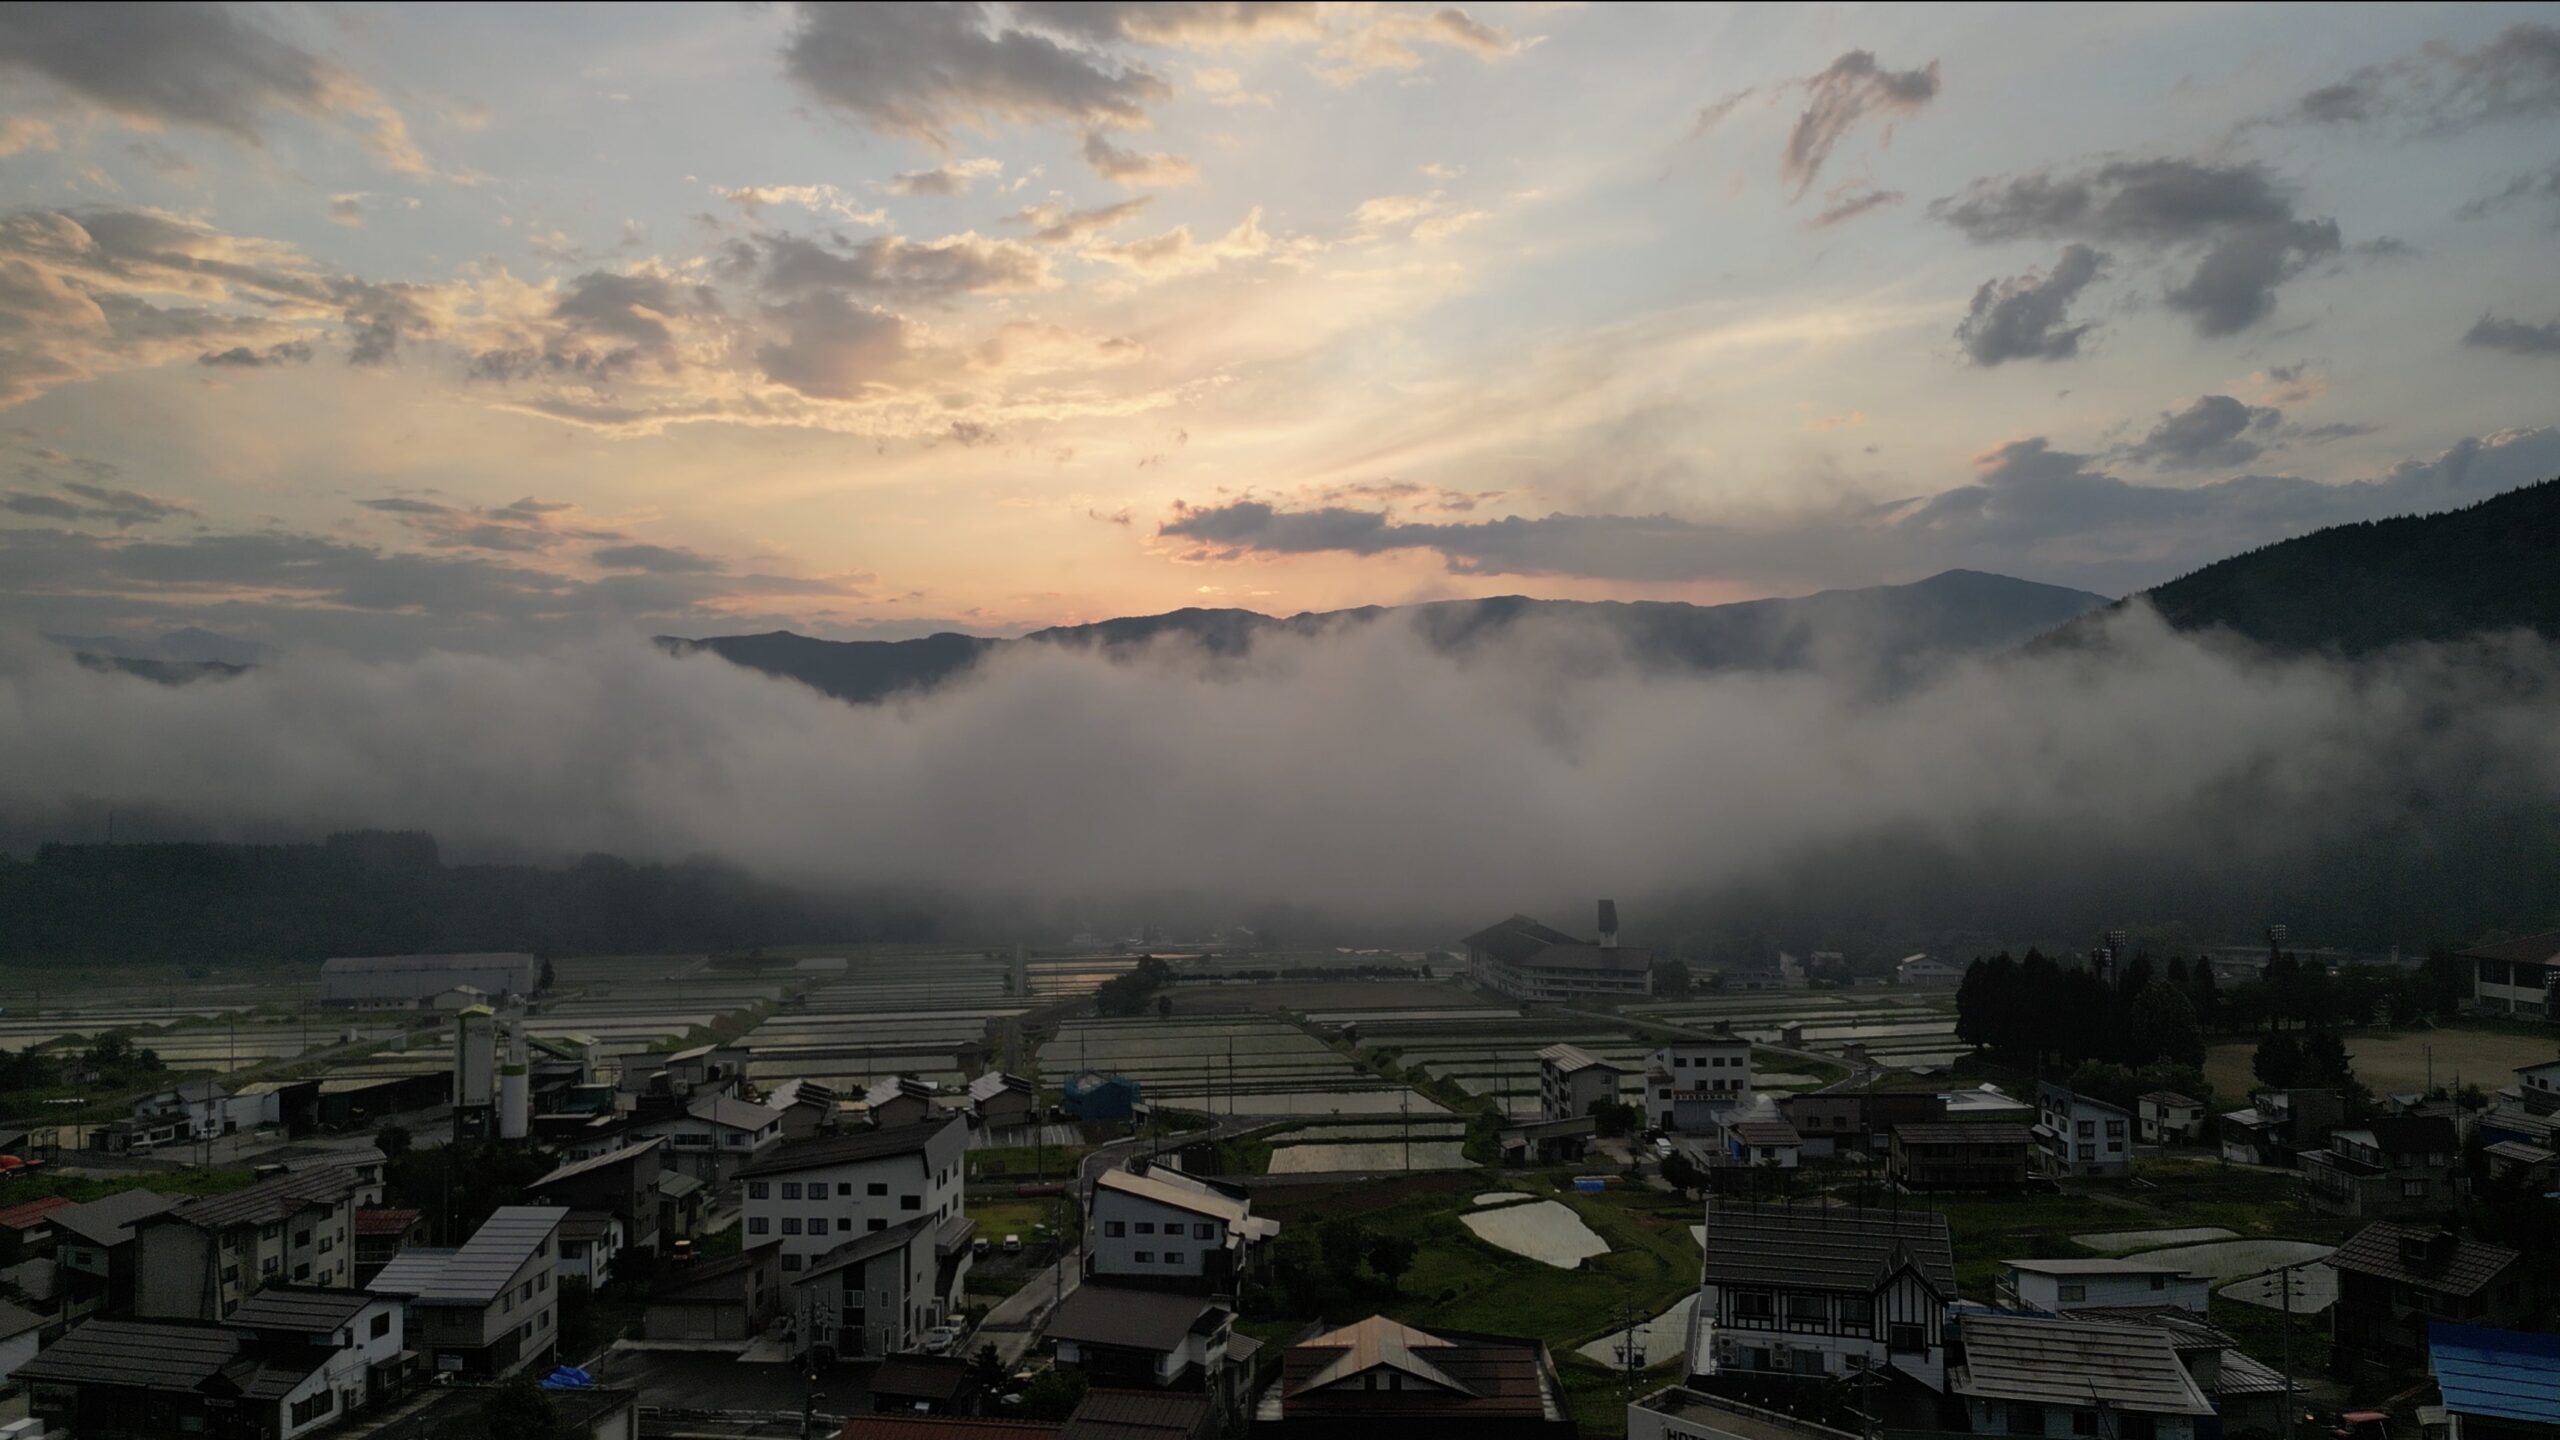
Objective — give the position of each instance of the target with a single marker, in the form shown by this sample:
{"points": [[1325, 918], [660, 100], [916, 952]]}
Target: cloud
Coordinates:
{"points": [[288, 352], [753, 200], [656, 559], [924, 71], [1226, 87], [2235, 219], [1427, 218], [1053, 223], [1839, 99], [603, 324], [346, 210], [1850, 207], [210, 66], [1186, 23], [20, 133], [79, 501], [962, 264], [2442, 90], [2516, 337], [1175, 252], [2027, 317], [526, 527], [1131, 167], [1713, 113], [833, 348], [2211, 434], [952, 179], [2541, 187]]}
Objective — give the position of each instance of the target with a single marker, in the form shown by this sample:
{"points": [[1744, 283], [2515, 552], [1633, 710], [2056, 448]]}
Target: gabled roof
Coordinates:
{"points": [[864, 1247], [1768, 1133], [411, 1270], [920, 1377], [33, 1213], [2469, 1265], [309, 1310], [2054, 1362], [485, 1265], [2542, 949], [17, 1320], [1516, 939], [1091, 1080], [1494, 1377], [2496, 1374], [2410, 1134], [108, 1220], [1824, 1247], [896, 1086], [711, 1280], [278, 1198], [1178, 1190], [1156, 1321], [1570, 1059], [822, 1150], [606, 1161], [164, 1355], [995, 1082], [1137, 1415], [2172, 1098], [2515, 1150], [733, 1113], [1371, 1344]]}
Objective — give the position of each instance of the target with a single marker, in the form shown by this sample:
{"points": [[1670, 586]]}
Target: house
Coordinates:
{"points": [[201, 1107], [2078, 1134], [1571, 1080], [590, 1242], [1680, 1413], [199, 1260], [1817, 1293], [31, 1222], [2247, 1395], [2393, 1166], [2395, 1278], [21, 1335], [620, 1183], [1689, 1082], [362, 1159], [41, 1285], [1002, 1102], [2278, 1125], [1093, 1095], [713, 1136], [899, 1100], [115, 1379], [1156, 1339], [2060, 1286], [365, 1099], [878, 1292], [383, 1232], [685, 1074], [94, 1245], [682, 1204], [361, 1335], [1928, 971], [1762, 1140], [735, 1297], [2034, 1376], [1960, 1155], [2496, 1384], [138, 1135], [1378, 1378], [1850, 1122], [2516, 977], [1547, 1142], [1157, 1227], [2538, 1087], [401, 982], [1536, 964], [816, 1195], [490, 1308], [923, 1385], [2515, 1165], [2169, 1118]]}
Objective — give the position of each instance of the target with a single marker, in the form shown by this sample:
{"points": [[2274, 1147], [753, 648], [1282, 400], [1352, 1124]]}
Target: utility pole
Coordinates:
{"points": [[2284, 1289]]}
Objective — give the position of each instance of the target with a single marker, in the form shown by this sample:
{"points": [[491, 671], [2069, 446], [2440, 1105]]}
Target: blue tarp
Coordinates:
{"points": [[568, 1377], [2500, 1374]]}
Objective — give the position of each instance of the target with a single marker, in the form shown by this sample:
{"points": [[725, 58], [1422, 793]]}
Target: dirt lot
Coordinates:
{"points": [[2387, 1063]]}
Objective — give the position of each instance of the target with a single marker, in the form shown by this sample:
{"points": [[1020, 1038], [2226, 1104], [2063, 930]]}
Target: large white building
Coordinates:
{"points": [[385, 982], [837, 1193], [1539, 964], [1688, 1084], [1164, 1229]]}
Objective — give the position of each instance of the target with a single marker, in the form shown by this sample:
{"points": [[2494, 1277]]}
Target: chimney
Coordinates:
{"points": [[1608, 924]]}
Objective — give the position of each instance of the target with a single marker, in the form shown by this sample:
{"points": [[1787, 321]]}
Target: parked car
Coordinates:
{"points": [[981, 1247], [1013, 1244], [941, 1338]]}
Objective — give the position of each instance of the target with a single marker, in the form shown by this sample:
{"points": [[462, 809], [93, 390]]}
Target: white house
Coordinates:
{"points": [[1164, 1229], [490, 1308], [589, 1241], [876, 1293], [714, 1135], [1819, 1293], [1571, 1080], [2169, 1118], [816, 1194], [1688, 1083], [2079, 1135], [2058, 1286], [361, 1337], [2031, 1376]]}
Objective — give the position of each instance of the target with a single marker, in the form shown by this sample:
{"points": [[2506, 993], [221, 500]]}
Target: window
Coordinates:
{"points": [[268, 1265], [756, 1190], [790, 1262], [910, 1202], [1807, 1307], [2085, 1127], [1146, 1257], [844, 1223], [2074, 1292], [1906, 1339], [2084, 1422], [381, 1326], [2413, 1189], [759, 1225], [1204, 1231], [301, 1237], [877, 1187], [1663, 1094], [1857, 1312], [2089, 1152], [844, 1188], [2115, 1129], [306, 1411], [2159, 1282], [1146, 1227], [301, 1273], [1754, 1304], [1113, 1229], [1173, 1257], [878, 1225], [790, 1189], [790, 1224]]}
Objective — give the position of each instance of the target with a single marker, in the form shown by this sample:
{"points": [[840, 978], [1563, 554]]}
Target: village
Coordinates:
{"points": [[1532, 1182]]}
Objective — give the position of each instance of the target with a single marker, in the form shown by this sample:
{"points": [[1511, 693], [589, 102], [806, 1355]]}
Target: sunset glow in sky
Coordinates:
{"points": [[383, 329]]}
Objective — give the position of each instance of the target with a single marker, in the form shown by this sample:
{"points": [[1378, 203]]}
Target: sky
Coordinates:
{"points": [[386, 331]]}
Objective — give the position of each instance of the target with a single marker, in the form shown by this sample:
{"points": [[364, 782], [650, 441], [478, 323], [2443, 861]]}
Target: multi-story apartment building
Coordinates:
{"points": [[490, 1308], [1571, 1080], [1689, 1083], [199, 1260], [812, 1196]]}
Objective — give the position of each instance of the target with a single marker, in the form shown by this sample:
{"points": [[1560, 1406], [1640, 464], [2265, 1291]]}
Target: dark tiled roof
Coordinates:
{"points": [[271, 1375], [821, 1150], [2469, 1265], [2542, 949], [2015, 1357], [307, 1309], [143, 1354], [1516, 939], [1137, 1415], [1487, 1376], [385, 1222], [606, 1161], [1809, 1246], [1573, 1059], [1151, 1320], [920, 1377], [109, 1219], [17, 1320], [268, 1201], [474, 1274]]}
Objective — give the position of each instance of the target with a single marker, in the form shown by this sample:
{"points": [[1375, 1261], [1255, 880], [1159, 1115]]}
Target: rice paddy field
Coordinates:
{"points": [[1905, 1029], [2396, 1063], [1228, 1065]]}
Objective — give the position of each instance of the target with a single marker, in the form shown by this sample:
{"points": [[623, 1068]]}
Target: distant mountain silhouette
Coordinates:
{"points": [[1886, 635], [2355, 588], [192, 646]]}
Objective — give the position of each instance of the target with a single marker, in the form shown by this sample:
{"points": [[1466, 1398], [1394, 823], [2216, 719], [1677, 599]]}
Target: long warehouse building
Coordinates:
{"points": [[397, 981]]}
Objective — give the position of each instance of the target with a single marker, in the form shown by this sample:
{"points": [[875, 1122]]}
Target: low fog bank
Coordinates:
{"points": [[1367, 776]]}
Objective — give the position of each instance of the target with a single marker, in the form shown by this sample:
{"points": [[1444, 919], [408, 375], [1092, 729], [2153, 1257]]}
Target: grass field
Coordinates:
{"points": [[2388, 1063]]}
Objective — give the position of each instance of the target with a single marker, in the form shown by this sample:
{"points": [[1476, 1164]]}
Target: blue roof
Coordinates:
{"points": [[2502, 1374]]}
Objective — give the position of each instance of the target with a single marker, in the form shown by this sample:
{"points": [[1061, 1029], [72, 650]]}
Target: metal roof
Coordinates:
{"points": [[388, 1220], [410, 1270], [1823, 1247], [2064, 1362], [1962, 1132], [138, 1354], [733, 1112], [108, 1220], [489, 1260], [1178, 1190], [269, 1201], [2497, 1374], [864, 1247], [605, 1161], [2467, 1267], [1150, 1320], [1573, 1058], [2542, 949], [824, 1150], [309, 1309], [2092, 1267], [1137, 1415], [996, 1082]]}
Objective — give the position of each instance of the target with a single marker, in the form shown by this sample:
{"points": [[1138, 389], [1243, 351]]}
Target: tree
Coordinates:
{"points": [[1164, 1007], [2206, 992], [1054, 1395], [1391, 1256], [1671, 977], [2278, 1061], [986, 1367], [1681, 1173], [392, 1141], [515, 1409], [2164, 1026], [1615, 1117], [1342, 1242]]}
